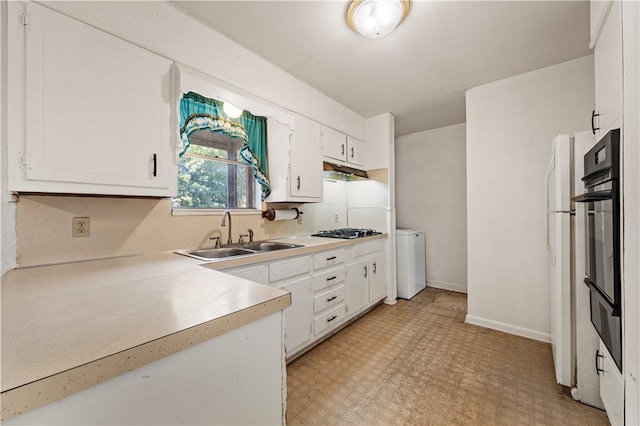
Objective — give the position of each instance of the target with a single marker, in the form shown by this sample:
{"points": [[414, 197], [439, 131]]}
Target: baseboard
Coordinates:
{"points": [[508, 328], [460, 288]]}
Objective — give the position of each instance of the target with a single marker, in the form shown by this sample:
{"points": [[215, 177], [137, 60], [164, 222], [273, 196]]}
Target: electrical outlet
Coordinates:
{"points": [[335, 219], [299, 218], [80, 227]]}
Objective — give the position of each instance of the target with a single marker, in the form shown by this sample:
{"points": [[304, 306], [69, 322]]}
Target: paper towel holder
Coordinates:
{"points": [[270, 213]]}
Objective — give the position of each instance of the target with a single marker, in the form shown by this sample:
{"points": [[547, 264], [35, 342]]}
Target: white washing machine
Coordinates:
{"points": [[412, 271]]}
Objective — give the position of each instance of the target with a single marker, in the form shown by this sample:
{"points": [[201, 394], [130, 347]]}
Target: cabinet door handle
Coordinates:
{"points": [[332, 318], [351, 152], [332, 278], [375, 268], [332, 298], [342, 149], [331, 258], [155, 165], [298, 183], [366, 272], [598, 355], [593, 124]]}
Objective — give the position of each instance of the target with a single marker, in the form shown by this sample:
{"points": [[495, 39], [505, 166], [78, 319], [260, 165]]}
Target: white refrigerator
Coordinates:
{"points": [[574, 340]]}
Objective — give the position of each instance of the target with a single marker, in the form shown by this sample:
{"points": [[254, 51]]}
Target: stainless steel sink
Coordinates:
{"points": [[219, 253], [263, 246], [245, 250]]}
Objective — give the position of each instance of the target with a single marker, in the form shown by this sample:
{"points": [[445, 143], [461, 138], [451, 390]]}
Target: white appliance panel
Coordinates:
{"points": [[410, 262]]}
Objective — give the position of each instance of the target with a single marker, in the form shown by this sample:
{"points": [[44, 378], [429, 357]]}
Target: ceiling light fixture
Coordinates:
{"points": [[231, 110], [376, 18]]}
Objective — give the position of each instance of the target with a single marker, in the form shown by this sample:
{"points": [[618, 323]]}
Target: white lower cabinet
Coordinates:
{"points": [[358, 286], [366, 276], [611, 386], [297, 317], [327, 288], [294, 275], [378, 281]]}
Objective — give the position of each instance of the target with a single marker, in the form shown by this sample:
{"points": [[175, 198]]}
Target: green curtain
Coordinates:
{"points": [[198, 113]]}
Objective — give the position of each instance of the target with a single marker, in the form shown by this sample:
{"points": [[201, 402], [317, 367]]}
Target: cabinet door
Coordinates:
{"points": [[97, 110], [356, 152], [378, 282], [306, 160], [611, 387], [298, 318], [357, 286], [334, 144], [608, 73]]}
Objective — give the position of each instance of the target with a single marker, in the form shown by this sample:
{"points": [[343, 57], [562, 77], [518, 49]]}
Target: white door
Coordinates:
{"points": [[298, 318], [378, 283], [306, 160], [357, 286]]}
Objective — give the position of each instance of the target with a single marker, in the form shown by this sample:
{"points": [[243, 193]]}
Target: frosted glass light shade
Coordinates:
{"points": [[231, 110], [376, 18]]}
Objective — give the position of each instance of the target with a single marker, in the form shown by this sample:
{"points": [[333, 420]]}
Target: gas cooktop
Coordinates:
{"points": [[347, 233]]}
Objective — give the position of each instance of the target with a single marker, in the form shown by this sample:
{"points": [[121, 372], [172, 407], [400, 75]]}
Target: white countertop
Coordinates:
{"points": [[67, 327]]}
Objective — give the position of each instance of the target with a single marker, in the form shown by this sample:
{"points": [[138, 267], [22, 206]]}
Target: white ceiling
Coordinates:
{"points": [[420, 71]]}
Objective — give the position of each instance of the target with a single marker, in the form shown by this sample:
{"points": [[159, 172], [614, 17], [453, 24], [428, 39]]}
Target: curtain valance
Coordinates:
{"points": [[199, 113]]}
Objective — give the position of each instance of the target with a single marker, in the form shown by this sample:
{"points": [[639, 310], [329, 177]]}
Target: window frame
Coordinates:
{"points": [[253, 186]]}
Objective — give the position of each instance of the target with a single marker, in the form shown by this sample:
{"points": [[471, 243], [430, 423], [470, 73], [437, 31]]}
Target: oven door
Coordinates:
{"points": [[603, 264]]}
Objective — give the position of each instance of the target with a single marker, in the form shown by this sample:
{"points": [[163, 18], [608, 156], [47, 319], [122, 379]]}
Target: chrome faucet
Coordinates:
{"points": [[224, 215]]}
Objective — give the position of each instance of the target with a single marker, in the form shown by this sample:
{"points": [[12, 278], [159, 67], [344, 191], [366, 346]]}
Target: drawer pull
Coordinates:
{"points": [[366, 272], [331, 258], [332, 298], [332, 318], [375, 268], [332, 278]]}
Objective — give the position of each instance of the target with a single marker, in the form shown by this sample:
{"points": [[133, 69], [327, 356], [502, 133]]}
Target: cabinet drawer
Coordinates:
{"points": [[327, 299], [289, 268], [328, 278], [329, 320], [328, 258]]}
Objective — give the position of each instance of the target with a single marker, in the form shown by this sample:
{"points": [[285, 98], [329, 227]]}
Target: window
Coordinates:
{"points": [[211, 174]]}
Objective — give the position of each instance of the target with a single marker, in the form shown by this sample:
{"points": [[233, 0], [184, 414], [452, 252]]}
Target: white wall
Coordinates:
{"points": [[510, 125], [431, 195]]}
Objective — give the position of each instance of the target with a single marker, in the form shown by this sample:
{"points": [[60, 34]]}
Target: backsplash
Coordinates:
{"points": [[125, 226], [131, 226]]}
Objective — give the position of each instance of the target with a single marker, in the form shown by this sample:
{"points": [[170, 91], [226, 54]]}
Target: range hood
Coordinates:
{"points": [[348, 172]]}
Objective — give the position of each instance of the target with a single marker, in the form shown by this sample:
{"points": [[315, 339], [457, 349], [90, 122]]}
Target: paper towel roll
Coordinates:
{"points": [[273, 214]]}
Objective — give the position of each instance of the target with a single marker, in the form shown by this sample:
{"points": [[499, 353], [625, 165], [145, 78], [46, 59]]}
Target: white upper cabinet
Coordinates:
{"points": [[97, 116], [306, 160], [295, 161], [608, 70], [342, 148], [355, 152], [334, 144]]}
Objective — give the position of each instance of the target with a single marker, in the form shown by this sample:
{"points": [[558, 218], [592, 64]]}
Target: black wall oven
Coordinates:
{"points": [[602, 195]]}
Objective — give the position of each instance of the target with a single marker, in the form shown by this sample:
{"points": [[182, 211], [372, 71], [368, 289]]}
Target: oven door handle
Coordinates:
{"points": [[589, 197], [614, 307]]}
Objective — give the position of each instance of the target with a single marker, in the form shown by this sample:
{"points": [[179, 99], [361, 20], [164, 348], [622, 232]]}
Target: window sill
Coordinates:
{"points": [[215, 212]]}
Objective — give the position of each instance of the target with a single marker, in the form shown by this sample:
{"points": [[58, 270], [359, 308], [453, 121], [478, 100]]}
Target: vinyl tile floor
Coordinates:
{"points": [[418, 363]]}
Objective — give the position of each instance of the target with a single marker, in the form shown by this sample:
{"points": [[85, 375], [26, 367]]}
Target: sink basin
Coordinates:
{"points": [[269, 246], [245, 250], [219, 253]]}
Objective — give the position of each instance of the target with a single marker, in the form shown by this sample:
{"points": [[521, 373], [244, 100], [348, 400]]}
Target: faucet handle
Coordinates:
{"points": [[250, 231], [218, 245], [241, 240]]}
